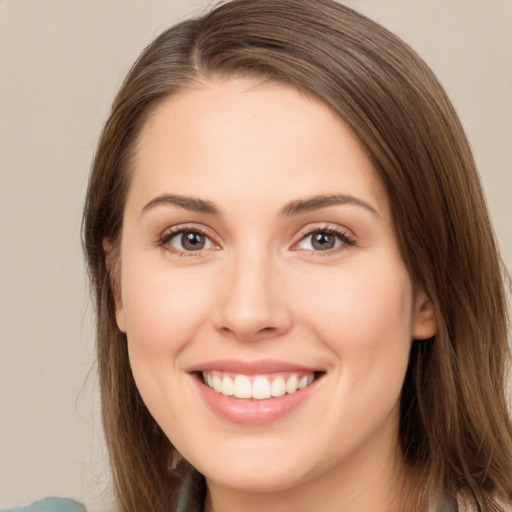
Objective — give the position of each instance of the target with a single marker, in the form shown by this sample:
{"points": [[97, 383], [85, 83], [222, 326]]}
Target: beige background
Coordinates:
{"points": [[60, 63]]}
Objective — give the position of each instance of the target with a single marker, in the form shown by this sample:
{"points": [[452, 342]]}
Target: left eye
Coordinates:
{"points": [[190, 241], [323, 240]]}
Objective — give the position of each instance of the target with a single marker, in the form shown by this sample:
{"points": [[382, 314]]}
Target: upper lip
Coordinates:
{"points": [[251, 367]]}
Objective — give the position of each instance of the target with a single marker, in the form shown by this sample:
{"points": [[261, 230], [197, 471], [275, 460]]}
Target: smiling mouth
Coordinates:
{"points": [[257, 387]]}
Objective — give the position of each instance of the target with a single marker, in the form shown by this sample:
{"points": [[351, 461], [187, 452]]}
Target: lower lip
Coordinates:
{"points": [[252, 411]]}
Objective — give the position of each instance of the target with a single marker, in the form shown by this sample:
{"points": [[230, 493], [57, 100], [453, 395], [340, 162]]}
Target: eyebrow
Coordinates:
{"points": [[187, 203], [295, 207], [323, 201]]}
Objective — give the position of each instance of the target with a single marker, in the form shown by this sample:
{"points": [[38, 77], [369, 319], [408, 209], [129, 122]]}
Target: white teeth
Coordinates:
{"points": [[278, 387], [292, 384], [303, 382], [227, 387], [306, 380], [217, 384], [260, 388], [243, 388]]}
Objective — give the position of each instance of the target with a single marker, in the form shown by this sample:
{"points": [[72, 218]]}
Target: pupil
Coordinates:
{"points": [[193, 241], [323, 241]]}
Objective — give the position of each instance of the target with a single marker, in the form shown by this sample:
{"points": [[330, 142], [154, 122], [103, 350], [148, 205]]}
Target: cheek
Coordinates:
{"points": [[364, 315], [162, 309]]}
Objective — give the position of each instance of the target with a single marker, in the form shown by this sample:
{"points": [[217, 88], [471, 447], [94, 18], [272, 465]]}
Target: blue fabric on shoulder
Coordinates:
{"points": [[49, 505]]}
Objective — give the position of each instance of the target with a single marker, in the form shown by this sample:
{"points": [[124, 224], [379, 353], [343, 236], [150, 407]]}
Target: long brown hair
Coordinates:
{"points": [[455, 428]]}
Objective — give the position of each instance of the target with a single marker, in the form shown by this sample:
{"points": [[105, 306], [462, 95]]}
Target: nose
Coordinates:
{"points": [[251, 303]]}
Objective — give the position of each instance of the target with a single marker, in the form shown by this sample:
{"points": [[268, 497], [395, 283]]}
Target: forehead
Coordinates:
{"points": [[243, 137]]}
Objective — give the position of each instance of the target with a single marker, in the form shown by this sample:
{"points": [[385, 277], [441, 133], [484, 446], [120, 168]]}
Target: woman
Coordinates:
{"points": [[300, 301]]}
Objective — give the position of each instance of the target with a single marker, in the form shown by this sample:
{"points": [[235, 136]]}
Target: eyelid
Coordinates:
{"points": [[346, 236], [166, 236]]}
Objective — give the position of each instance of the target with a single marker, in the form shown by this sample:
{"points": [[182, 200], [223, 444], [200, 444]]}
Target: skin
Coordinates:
{"points": [[259, 289]]}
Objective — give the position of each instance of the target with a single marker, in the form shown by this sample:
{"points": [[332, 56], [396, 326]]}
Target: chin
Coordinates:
{"points": [[253, 470], [256, 479]]}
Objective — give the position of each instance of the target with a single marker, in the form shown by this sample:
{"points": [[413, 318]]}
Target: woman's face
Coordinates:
{"points": [[258, 258]]}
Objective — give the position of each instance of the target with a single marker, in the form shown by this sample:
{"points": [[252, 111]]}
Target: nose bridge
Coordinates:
{"points": [[251, 304]]}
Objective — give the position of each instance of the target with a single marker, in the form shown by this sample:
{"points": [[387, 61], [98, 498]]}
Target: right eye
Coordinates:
{"points": [[187, 240]]}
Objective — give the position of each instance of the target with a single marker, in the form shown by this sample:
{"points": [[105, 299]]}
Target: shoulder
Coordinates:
{"points": [[49, 505]]}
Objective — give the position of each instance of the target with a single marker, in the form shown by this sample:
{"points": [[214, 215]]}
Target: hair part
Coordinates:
{"points": [[455, 428]]}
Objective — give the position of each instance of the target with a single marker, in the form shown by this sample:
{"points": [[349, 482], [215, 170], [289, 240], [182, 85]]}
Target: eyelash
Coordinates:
{"points": [[165, 239], [343, 237]]}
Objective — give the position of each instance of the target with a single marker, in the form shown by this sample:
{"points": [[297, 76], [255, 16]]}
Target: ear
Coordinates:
{"points": [[113, 267], [424, 321]]}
